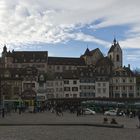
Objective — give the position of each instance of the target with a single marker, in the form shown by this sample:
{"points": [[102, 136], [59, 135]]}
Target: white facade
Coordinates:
{"points": [[102, 89], [87, 87], [71, 88], [58, 89], [124, 87]]}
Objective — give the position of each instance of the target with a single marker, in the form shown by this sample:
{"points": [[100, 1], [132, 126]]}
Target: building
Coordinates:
{"points": [[88, 76], [123, 83]]}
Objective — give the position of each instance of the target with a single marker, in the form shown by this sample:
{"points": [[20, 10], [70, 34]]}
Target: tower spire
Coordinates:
{"points": [[114, 41]]}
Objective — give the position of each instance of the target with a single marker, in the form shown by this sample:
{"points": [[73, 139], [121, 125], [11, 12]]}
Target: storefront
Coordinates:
{"points": [[29, 99]]}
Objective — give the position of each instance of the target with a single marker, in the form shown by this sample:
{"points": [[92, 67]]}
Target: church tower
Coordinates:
{"points": [[115, 54], [4, 52]]}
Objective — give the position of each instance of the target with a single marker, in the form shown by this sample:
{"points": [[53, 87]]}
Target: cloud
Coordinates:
{"points": [[131, 55], [89, 38], [132, 42], [54, 21]]}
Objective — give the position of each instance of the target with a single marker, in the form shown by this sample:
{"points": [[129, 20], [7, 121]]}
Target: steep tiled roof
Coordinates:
{"points": [[104, 61], [30, 56], [96, 50], [113, 47], [123, 71], [87, 72], [65, 61], [92, 52], [70, 75], [128, 70], [87, 52]]}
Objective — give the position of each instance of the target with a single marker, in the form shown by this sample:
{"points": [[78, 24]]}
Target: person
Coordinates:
{"points": [[138, 113], [105, 120], [113, 121], [3, 112]]}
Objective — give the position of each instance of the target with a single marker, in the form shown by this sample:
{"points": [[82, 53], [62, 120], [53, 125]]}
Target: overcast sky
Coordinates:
{"points": [[68, 27]]}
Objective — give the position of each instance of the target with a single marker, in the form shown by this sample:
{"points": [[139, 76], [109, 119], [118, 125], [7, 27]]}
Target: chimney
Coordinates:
{"points": [[129, 66]]}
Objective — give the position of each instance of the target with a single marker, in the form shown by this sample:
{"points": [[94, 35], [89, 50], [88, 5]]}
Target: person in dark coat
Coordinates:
{"points": [[138, 114]]}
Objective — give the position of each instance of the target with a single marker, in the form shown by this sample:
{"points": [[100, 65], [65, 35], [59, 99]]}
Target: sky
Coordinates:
{"points": [[65, 28]]}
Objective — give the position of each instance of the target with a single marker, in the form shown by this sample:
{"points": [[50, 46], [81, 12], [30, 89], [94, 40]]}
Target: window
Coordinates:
{"points": [[116, 87], [81, 94], [131, 95], [74, 82], [74, 95], [124, 73], [91, 74], [41, 84], [57, 89], [110, 57], [67, 95], [66, 88], [58, 67], [124, 95], [99, 90], [16, 90], [81, 74], [64, 68], [74, 88], [66, 82], [117, 57], [117, 95], [56, 83], [104, 84], [50, 67], [123, 80], [104, 90], [131, 87], [123, 87], [92, 87], [99, 84], [60, 89], [16, 75]]}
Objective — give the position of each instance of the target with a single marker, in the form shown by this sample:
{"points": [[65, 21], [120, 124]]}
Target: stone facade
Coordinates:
{"points": [[90, 75]]}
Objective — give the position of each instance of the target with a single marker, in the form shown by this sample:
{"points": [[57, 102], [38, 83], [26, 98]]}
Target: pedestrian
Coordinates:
{"points": [[138, 114], [105, 121], [113, 121], [3, 112]]}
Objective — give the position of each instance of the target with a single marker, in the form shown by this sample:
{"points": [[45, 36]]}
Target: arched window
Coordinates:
{"points": [[117, 57], [110, 57]]}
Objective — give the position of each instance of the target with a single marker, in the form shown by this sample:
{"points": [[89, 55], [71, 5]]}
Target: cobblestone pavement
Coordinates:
{"points": [[48, 117], [67, 133], [129, 132]]}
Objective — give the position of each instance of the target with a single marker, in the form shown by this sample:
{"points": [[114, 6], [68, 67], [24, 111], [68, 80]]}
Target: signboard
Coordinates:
{"points": [[40, 98], [28, 95]]}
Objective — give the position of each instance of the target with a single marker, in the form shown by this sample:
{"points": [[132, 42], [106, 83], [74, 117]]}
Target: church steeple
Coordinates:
{"points": [[4, 50], [87, 52], [115, 54], [114, 41]]}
